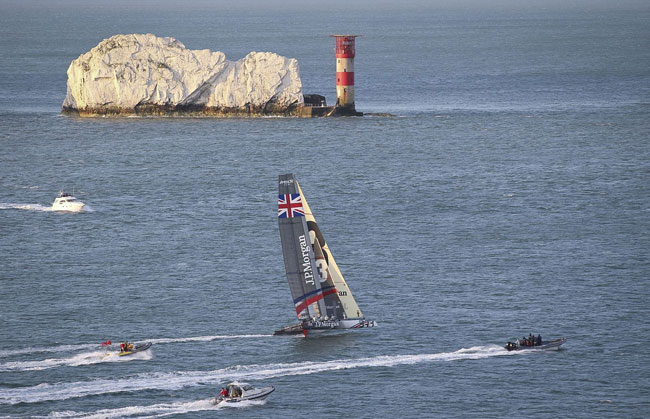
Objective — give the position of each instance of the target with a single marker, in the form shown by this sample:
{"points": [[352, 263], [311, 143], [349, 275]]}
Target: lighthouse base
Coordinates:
{"points": [[316, 106], [345, 111], [325, 111]]}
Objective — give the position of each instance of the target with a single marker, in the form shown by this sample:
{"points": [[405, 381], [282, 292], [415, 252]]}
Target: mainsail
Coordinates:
{"points": [[317, 286]]}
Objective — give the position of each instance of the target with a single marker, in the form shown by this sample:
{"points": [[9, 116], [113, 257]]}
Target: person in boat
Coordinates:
{"points": [[122, 347], [539, 340], [517, 343], [234, 391], [224, 392]]}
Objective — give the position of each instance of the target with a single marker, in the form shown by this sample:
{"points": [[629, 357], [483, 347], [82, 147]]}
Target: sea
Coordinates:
{"points": [[498, 185]]}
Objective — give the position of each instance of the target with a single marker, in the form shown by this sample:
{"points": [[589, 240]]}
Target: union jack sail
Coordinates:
{"points": [[290, 206]]}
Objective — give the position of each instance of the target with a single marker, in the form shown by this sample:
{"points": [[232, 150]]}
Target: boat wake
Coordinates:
{"points": [[87, 346], [204, 338], [59, 348], [38, 207], [162, 409], [29, 207], [84, 358], [182, 379]]}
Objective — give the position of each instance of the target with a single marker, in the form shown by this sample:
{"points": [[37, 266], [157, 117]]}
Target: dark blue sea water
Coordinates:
{"points": [[509, 194]]}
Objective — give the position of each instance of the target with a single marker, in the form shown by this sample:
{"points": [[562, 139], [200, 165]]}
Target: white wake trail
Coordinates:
{"points": [[71, 348], [204, 338], [162, 409], [38, 207], [28, 207], [59, 348], [182, 379], [84, 358]]}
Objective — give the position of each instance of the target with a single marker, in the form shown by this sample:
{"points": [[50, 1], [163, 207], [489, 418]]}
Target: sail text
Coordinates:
{"points": [[306, 262]]}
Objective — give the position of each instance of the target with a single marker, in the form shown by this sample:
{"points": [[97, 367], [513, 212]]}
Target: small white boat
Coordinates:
{"points": [[242, 392], [66, 202]]}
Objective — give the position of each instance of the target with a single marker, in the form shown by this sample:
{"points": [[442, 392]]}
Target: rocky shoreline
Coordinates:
{"points": [[145, 110]]}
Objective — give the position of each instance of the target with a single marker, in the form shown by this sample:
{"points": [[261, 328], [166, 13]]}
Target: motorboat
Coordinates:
{"points": [[126, 348], [552, 344], [67, 203], [133, 349], [242, 392]]}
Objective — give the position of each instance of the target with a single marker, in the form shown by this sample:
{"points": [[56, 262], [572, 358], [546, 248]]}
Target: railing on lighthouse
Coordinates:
{"points": [[345, 72]]}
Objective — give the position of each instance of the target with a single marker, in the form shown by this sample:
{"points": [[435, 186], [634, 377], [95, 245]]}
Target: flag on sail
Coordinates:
{"points": [[290, 206], [305, 300]]}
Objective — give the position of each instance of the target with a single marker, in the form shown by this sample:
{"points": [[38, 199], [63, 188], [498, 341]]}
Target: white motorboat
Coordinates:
{"points": [[242, 392], [66, 202]]}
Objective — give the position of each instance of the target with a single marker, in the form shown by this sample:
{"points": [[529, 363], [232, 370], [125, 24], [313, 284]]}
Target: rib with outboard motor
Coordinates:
{"points": [[321, 297], [235, 393], [133, 349], [518, 345]]}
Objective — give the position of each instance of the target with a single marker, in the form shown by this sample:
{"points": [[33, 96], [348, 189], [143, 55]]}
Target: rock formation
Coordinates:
{"points": [[150, 75]]}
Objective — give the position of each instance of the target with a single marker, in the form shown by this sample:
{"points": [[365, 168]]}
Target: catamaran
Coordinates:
{"points": [[321, 297]]}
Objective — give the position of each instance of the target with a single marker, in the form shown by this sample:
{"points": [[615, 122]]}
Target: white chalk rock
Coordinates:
{"points": [[127, 72]]}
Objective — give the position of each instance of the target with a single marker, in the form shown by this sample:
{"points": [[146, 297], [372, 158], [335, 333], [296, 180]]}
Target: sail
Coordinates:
{"points": [[343, 294], [299, 261], [316, 283]]}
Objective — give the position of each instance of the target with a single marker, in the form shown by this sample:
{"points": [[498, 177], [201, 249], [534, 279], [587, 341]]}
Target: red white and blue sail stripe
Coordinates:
{"points": [[290, 206], [311, 297]]}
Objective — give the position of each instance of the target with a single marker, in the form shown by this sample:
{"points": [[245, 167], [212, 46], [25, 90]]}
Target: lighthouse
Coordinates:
{"points": [[345, 75]]}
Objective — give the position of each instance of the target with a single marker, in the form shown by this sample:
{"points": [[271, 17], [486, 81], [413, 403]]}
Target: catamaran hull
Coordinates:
{"points": [[325, 326]]}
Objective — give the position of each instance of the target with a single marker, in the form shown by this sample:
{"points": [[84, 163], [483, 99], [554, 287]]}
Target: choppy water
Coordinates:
{"points": [[510, 194]]}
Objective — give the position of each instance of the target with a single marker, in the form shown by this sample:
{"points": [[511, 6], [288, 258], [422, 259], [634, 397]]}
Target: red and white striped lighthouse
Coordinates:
{"points": [[345, 72]]}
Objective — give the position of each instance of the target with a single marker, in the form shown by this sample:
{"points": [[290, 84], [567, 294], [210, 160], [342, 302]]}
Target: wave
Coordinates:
{"points": [[85, 358], [182, 379], [85, 346], [162, 409]]}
